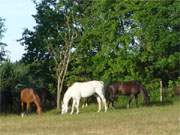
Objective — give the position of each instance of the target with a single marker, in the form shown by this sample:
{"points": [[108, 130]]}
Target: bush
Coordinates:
{"points": [[153, 89], [174, 87]]}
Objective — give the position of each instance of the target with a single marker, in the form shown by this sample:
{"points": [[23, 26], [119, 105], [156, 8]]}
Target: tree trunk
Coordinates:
{"points": [[61, 76], [64, 59], [58, 93], [161, 91]]}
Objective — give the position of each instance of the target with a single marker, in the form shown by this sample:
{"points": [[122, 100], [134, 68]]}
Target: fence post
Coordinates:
{"points": [[161, 91]]}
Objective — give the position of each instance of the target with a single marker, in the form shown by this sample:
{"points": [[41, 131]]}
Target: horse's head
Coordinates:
{"points": [[39, 110], [64, 108], [147, 100], [110, 94], [38, 104]]}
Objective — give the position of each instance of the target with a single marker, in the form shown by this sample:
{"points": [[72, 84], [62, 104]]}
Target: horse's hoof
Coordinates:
{"points": [[22, 115]]}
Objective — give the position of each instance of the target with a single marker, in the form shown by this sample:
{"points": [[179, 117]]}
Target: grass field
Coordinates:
{"points": [[154, 120]]}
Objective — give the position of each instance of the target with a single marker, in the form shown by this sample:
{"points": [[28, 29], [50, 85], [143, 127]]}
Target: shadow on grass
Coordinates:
{"points": [[158, 103], [152, 103]]}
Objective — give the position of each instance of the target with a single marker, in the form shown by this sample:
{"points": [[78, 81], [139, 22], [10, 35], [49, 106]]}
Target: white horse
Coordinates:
{"points": [[82, 90]]}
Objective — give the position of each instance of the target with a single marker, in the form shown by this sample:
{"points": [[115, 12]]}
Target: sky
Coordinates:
{"points": [[18, 16]]}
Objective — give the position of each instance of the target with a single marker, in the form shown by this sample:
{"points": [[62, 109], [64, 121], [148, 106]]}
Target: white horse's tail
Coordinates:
{"points": [[101, 94], [103, 87]]}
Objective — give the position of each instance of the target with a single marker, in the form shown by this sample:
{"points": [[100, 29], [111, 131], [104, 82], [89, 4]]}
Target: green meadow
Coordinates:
{"points": [[153, 120]]}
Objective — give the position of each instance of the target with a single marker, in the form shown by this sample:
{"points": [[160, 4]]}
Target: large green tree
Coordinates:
{"points": [[125, 40], [158, 35]]}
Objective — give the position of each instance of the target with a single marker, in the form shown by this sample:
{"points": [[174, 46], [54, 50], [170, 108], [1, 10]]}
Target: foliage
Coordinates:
{"points": [[173, 87], [7, 75], [125, 40], [14, 76]]}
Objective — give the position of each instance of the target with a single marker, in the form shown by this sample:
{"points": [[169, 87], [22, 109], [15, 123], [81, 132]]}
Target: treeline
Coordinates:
{"points": [[109, 40]]}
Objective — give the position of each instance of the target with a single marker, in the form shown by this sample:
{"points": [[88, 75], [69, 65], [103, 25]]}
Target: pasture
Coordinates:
{"points": [[153, 120]]}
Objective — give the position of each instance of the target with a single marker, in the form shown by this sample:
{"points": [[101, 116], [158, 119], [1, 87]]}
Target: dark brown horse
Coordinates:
{"points": [[47, 99], [29, 96], [129, 88]]}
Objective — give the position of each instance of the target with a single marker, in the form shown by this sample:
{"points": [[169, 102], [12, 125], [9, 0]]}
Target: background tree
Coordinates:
{"points": [[159, 40], [122, 39], [67, 33], [128, 40], [52, 40]]}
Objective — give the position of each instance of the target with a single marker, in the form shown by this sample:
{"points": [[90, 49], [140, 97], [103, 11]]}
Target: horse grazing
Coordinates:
{"points": [[83, 90], [29, 96], [129, 88]]}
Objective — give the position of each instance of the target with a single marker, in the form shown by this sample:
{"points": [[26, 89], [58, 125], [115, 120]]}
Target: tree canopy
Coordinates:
{"points": [[117, 40]]}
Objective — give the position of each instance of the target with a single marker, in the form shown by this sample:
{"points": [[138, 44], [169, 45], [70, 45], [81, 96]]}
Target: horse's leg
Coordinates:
{"points": [[77, 106], [130, 99], [73, 105], [22, 109], [83, 105], [113, 106], [105, 105], [136, 99], [27, 108], [103, 100], [22, 106], [108, 103], [99, 103], [84, 102]]}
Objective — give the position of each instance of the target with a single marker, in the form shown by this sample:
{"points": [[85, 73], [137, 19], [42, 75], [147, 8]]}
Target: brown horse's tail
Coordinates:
{"points": [[146, 95], [108, 94]]}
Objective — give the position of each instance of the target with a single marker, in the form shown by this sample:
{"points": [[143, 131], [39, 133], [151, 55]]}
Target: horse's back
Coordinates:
{"points": [[88, 84], [127, 87], [86, 89], [97, 83], [27, 95], [132, 85]]}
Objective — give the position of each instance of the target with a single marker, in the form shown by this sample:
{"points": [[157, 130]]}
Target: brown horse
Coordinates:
{"points": [[129, 88], [47, 99], [28, 96]]}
